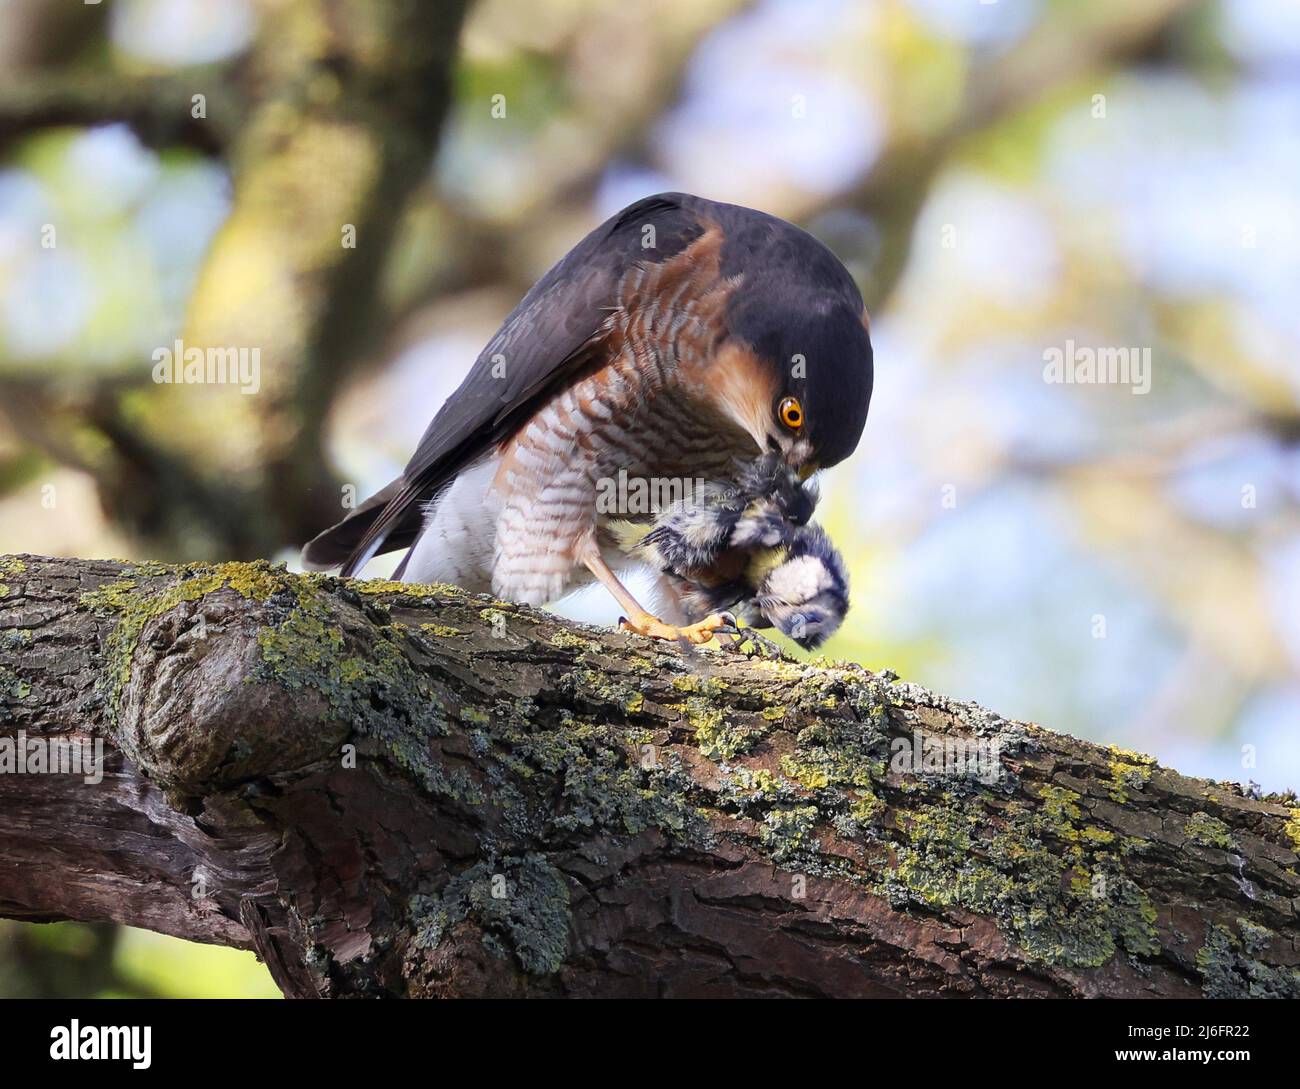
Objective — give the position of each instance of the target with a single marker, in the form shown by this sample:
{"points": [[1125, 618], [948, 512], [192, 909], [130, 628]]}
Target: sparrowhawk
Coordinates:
{"points": [[678, 341]]}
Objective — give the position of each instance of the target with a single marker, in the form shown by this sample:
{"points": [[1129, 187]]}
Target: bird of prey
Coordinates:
{"points": [[747, 548], [680, 339]]}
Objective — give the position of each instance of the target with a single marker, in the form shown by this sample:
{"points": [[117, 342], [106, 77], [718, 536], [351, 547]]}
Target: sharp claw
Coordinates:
{"points": [[761, 645]]}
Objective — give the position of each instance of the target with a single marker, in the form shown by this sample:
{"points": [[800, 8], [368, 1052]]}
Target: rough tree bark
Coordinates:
{"points": [[395, 790]]}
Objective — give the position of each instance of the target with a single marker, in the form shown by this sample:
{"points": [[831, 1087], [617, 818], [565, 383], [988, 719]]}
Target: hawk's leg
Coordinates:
{"points": [[642, 622]]}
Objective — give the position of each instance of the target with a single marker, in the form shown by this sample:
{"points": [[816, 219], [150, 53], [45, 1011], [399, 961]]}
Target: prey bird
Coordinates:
{"points": [[747, 549], [677, 341]]}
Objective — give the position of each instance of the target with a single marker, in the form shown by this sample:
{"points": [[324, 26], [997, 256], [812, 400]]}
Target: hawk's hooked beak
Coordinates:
{"points": [[798, 455], [795, 452]]}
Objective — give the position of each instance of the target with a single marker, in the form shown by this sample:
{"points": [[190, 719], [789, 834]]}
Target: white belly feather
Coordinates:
{"points": [[460, 529], [520, 550]]}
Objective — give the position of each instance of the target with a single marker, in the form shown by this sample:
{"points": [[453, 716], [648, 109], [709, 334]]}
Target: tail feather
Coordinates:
{"points": [[339, 545]]}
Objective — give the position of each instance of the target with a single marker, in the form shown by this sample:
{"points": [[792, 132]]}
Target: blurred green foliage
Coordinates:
{"points": [[100, 960]]}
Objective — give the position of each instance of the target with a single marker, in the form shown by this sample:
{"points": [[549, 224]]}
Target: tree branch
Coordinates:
{"points": [[1084, 42], [158, 110], [388, 789]]}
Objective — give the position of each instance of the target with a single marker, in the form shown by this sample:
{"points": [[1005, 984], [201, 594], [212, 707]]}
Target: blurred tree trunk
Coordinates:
{"points": [[67, 960], [327, 125], [349, 99], [390, 789]]}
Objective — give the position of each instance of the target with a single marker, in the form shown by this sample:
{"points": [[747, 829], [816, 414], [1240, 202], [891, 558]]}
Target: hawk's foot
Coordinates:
{"points": [[654, 628]]}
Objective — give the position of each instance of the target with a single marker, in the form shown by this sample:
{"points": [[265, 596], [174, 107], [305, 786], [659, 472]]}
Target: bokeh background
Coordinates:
{"points": [[1001, 177]]}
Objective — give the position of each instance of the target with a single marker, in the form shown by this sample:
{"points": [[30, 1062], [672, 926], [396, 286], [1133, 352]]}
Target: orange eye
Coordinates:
{"points": [[791, 413]]}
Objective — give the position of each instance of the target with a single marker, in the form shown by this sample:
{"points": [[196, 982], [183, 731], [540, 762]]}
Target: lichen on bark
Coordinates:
{"points": [[564, 802]]}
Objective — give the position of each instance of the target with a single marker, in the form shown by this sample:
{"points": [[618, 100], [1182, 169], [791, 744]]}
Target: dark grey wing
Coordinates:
{"points": [[549, 339]]}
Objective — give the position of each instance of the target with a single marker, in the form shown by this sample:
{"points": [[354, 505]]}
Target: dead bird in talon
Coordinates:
{"points": [[762, 509], [804, 593], [747, 551]]}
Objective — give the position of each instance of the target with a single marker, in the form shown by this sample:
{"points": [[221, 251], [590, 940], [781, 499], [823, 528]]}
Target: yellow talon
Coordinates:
{"points": [[654, 628]]}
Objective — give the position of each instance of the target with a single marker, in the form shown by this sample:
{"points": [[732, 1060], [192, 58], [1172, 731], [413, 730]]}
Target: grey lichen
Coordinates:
{"points": [[372, 686], [787, 833], [579, 775], [1230, 967], [521, 904]]}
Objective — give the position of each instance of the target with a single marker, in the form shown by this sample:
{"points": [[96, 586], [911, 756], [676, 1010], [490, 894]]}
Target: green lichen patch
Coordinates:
{"points": [[1061, 806], [585, 776], [521, 903], [693, 683], [13, 688], [11, 567], [566, 640], [809, 776], [1208, 831], [797, 806], [1230, 967], [836, 753], [135, 602], [864, 809], [722, 735], [441, 631], [592, 687], [1057, 891], [742, 788], [411, 590], [1128, 771], [1292, 830], [1131, 756], [788, 833], [372, 686]]}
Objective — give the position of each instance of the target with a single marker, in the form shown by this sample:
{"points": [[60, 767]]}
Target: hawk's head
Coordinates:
{"points": [[797, 352], [820, 353]]}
